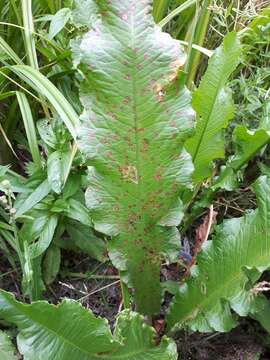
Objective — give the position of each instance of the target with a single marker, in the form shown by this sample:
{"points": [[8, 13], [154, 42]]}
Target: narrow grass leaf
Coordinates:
{"points": [[5, 48], [29, 127], [41, 84]]}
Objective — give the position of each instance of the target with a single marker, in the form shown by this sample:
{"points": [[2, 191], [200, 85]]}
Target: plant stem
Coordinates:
{"points": [[125, 294], [199, 38], [30, 46], [191, 40], [94, 277]]}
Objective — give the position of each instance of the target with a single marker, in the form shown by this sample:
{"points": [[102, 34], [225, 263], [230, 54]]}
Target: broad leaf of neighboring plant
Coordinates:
{"points": [[226, 270], [7, 351], [259, 25], [137, 117], [69, 331], [214, 106], [247, 144]]}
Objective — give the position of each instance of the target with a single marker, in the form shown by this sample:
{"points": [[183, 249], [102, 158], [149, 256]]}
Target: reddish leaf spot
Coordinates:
{"points": [[146, 57], [140, 130], [126, 100], [173, 123]]}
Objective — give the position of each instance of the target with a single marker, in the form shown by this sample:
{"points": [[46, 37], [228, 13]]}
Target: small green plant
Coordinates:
{"points": [[151, 148]]}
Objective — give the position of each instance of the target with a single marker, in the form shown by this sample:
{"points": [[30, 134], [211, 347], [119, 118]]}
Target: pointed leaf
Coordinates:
{"points": [[213, 103], [68, 332], [137, 117], [223, 278], [59, 21]]}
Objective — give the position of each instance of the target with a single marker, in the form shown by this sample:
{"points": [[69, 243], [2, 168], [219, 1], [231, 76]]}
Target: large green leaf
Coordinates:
{"points": [[213, 104], [137, 117], [69, 332], [226, 270], [7, 350]]}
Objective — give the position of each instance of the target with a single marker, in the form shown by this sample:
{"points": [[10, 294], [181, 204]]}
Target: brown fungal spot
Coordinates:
{"points": [[129, 173], [126, 100], [140, 130]]}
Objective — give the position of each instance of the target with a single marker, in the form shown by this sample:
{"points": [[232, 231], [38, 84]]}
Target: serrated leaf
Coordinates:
{"points": [[137, 117], [225, 268], [7, 350], [213, 103], [69, 331], [59, 21]]}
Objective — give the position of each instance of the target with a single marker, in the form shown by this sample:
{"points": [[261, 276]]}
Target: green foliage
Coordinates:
{"points": [[136, 122], [226, 271], [40, 335], [7, 351], [132, 132], [213, 103]]}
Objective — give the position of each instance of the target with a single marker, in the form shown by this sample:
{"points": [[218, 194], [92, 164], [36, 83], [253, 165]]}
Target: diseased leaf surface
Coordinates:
{"points": [[137, 117], [225, 271], [69, 331]]}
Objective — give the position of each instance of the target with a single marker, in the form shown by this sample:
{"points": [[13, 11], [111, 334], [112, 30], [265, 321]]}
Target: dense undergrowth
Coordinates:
{"points": [[137, 163]]}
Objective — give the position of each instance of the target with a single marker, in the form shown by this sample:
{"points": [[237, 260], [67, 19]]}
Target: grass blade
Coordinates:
{"points": [[40, 83], [28, 33], [176, 12], [9, 51], [160, 8], [29, 127]]}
